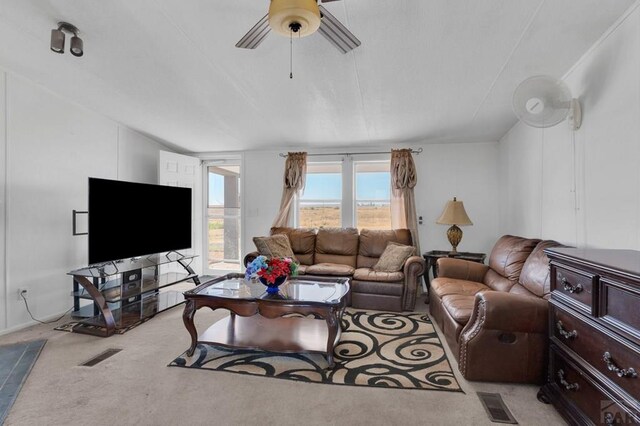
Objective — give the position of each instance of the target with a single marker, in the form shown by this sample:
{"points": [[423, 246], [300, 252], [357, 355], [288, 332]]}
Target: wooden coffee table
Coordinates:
{"points": [[262, 321]]}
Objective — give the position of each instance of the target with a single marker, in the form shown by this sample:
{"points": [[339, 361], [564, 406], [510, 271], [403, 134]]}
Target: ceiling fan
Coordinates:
{"points": [[302, 18]]}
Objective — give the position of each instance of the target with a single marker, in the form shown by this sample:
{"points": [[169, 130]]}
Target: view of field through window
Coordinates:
{"points": [[320, 205], [372, 195], [223, 217]]}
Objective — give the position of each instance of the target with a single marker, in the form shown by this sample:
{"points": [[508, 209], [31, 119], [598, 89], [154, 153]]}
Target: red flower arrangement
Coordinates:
{"points": [[271, 269]]}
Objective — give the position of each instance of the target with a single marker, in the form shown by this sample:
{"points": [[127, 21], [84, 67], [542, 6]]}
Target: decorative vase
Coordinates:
{"points": [[272, 288]]}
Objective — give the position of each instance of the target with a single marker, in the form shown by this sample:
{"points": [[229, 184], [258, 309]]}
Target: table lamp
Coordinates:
{"points": [[454, 215]]}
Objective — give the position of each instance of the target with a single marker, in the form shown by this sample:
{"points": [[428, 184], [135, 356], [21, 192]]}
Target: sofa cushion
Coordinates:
{"points": [[506, 260], [384, 288], [459, 307], [302, 240], [520, 290], [497, 282], [334, 269], [336, 245], [366, 262], [393, 257], [447, 286], [373, 242], [368, 274], [274, 246], [535, 272], [302, 269]]}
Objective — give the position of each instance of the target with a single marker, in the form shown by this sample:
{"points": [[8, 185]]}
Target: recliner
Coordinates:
{"points": [[494, 317]]}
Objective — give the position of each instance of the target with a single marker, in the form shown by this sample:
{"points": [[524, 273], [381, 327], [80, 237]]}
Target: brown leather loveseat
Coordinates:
{"points": [[495, 317], [343, 252]]}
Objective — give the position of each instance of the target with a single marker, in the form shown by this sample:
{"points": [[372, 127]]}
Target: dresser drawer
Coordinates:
{"points": [[620, 307], [617, 361], [594, 401], [578, 286]]}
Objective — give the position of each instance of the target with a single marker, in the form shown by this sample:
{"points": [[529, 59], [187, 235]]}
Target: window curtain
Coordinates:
{"points": [[295, 170], [403, 203]]}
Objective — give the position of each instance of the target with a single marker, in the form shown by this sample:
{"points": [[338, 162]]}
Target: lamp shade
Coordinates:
{"points": [[283, 13], [454, 214]]}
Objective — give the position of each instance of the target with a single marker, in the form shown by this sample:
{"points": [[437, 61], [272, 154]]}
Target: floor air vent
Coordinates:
{"points": [[100, 357], [496, 409]]}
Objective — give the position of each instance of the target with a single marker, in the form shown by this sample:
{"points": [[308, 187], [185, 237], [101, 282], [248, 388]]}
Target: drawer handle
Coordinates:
{"points": [[565, 384], [571, 288], [621, 372], [609, 419], [568, 335]]}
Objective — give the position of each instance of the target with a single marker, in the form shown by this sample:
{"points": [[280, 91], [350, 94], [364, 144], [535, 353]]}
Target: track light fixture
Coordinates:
{"points": [[58, 36]]}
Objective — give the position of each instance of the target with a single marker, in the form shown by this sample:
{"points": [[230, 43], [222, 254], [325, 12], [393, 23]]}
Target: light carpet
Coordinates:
{"points": [[135, 387]]}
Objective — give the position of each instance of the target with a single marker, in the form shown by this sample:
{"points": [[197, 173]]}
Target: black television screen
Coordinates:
{"points": [[129, 219]]}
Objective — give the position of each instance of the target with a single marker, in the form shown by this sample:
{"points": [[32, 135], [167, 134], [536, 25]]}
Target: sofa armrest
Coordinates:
{"points": [[510, 312], [249, 258], [414, 268], [461, 269], [505, 339]]}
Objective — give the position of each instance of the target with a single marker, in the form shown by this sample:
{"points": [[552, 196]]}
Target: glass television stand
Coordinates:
{"points": [[126, 292]]}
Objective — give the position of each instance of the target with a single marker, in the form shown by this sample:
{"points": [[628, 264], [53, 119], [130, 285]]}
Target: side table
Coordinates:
{"points": [[431, 257]]}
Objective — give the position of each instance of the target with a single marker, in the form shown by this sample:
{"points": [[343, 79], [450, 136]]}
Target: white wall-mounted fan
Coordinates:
{"points": [[544, 101]]}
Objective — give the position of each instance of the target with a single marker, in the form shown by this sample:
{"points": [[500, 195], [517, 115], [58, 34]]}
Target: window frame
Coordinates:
{"points": [[348, 202]]}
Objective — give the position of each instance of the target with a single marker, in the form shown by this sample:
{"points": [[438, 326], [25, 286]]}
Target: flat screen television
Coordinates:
{"points": [[129, 219]]}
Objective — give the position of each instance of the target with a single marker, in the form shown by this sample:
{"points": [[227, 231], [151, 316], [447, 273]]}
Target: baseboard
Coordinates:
{"points": [[29, 324]]}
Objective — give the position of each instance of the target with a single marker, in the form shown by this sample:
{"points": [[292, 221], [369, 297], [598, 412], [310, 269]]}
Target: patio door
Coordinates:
{"points": [[223, 216]]}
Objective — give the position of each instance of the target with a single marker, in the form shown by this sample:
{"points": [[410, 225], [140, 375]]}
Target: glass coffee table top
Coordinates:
{"points": [[296, 289]]}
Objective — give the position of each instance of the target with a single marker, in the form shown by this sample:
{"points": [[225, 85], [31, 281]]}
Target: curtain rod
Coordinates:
{"points": [[348, 154]]}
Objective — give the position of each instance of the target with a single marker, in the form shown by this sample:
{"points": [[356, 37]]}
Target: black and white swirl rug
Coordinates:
{"points": [[379, 349]]}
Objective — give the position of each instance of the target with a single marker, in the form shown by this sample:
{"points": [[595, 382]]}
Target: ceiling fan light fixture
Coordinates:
{"points": [[285, 13], [76, 48], [57, 41]]}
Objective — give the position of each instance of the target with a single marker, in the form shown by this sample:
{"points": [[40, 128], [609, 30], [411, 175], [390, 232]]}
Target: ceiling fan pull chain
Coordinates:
{"points": [[291, 55]]}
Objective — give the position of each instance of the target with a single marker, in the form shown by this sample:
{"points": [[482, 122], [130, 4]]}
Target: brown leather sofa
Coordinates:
{"points": [[343, 252], [495, 317]]}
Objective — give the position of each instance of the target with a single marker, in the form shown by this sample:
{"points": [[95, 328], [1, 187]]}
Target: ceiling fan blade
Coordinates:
{"points": [[336, 33], [256, 35], [327, 1]]}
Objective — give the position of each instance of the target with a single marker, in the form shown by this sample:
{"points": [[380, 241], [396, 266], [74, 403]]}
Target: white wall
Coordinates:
{"points": [[540, 170], [52, 147], [137, 156], [467, 171], [3, 172]]}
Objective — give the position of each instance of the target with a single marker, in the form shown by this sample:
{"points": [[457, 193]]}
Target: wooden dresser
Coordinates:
{"points": [[594, 329]]}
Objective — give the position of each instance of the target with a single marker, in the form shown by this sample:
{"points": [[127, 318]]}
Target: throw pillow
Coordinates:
{"points": [[393, 257], [274, 246]]}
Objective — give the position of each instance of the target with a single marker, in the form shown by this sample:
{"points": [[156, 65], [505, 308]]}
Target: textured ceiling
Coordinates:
{"points": [[437, 70]]}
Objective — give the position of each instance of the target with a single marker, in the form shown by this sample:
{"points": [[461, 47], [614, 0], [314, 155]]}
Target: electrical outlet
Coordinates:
{"points": [[22, 291]]}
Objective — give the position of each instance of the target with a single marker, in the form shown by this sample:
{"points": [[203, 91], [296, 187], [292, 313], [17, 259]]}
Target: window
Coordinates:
{"points": [[321, 203], [346, 194], [372, 203], [223, 216]]}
